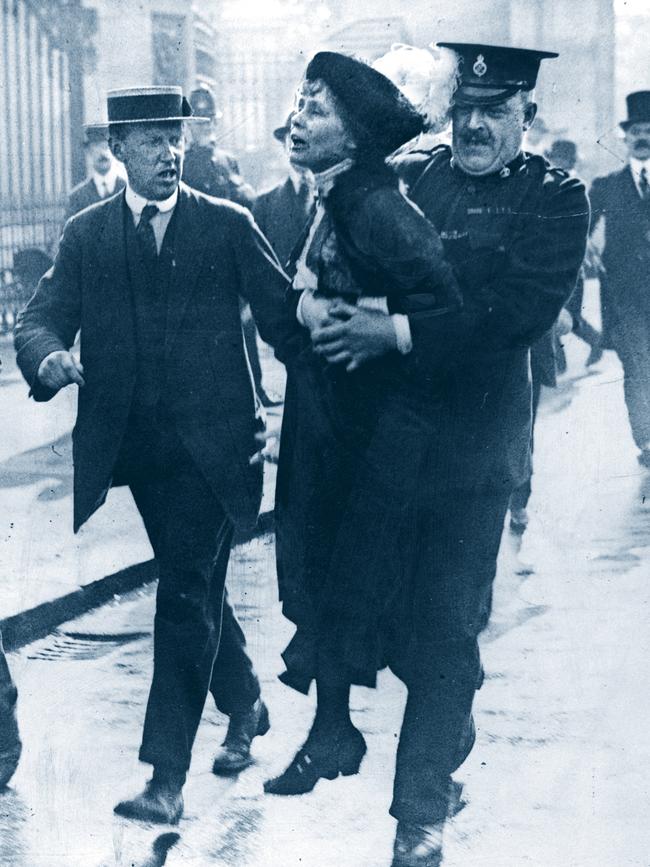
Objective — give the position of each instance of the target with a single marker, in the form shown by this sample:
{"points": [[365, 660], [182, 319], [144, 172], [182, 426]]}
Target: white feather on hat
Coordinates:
{"points": [[427, 78]]}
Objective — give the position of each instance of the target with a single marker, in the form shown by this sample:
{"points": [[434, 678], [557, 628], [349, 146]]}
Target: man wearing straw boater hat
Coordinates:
{"points": [[622, 199], [151, 279]]}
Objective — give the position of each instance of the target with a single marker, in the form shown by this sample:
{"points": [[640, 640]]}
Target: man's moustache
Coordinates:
{"points": [[642, 143], [475, 139]]}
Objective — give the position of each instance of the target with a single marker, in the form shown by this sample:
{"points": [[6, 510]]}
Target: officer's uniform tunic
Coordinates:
{"points": [[515, 240]]}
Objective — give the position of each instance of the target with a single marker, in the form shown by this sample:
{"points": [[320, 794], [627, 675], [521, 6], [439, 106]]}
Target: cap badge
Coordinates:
{"points": [[480, 67]]}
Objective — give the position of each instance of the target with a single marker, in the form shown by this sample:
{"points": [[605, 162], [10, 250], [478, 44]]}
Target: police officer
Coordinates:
{"points": [[208, 168], [514, 231]]}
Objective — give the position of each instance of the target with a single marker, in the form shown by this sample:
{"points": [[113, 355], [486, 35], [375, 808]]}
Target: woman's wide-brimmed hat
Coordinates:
{"points": [[148, 105], [382, 117]]}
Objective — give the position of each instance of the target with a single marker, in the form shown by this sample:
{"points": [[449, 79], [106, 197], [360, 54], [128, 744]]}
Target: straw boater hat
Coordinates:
{"points": [[148, 105]]}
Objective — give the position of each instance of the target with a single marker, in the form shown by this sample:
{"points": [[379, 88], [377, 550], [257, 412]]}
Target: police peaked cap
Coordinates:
{"points": [[498, 70], [382, 118]]}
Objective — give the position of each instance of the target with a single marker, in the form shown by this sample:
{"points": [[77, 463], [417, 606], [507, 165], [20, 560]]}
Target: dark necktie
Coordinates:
{"points": [[644, 187], [146, 235]]}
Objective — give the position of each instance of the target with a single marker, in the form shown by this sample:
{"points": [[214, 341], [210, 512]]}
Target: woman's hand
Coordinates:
{"points": [[352, 335]]}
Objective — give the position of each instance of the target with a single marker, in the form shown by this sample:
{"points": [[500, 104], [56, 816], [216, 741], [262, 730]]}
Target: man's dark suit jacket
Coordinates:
{"points": [[85, 194], [219, 255], [281, 214], [625, 285]]}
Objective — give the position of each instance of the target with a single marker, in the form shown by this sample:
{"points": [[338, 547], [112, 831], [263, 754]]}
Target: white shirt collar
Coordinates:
{"points": [[137, 203], [325, 180], [637, 165]]}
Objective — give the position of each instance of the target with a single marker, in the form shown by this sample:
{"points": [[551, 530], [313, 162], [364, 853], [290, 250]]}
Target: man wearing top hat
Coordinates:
{"points": [[151, 279], [513, 230], [622, 199], [103, 179]]}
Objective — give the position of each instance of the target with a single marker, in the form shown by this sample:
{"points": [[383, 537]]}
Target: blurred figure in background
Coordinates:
{"points": [[215, 172], [622, 199], [208, 168], [104, 176], [282, 212], [563, 153]]}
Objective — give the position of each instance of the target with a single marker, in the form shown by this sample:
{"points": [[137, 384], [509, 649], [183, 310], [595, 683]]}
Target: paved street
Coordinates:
{"points": [[559, 776]]}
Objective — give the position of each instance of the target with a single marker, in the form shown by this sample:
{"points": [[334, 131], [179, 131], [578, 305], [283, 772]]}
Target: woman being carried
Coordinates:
{"points": [[354, 438]]}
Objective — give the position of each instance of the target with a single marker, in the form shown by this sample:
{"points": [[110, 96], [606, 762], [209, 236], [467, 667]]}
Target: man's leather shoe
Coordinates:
{"points": [[160, 802], [321, 757], [235, 753], [417, 845]]}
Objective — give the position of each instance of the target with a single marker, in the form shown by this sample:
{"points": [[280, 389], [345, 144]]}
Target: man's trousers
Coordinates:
{"points": [[198, 644], [636, 385], [455, 568], [10, 746]]}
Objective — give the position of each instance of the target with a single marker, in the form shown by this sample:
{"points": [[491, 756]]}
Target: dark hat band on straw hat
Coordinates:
{"points": [[148, 105], [381, 115]]}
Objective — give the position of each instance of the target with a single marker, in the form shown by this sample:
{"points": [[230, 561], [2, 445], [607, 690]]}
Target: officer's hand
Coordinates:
{"points": [[59, 369], [353, 335]]}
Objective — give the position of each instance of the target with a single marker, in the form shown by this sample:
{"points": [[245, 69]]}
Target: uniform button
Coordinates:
{"points": [[471, 189]]}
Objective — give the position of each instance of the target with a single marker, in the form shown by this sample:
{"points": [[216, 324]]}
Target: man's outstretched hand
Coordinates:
{"points": [[353, 336], [59, 369]]}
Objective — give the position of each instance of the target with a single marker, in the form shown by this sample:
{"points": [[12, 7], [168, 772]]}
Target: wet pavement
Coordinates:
{"points": [[559, 776]]}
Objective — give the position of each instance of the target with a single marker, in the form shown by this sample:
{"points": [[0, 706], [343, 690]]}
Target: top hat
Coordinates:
{"points": [[281, 132], [382, 117], [148, 105], [491, 74], [638, 108]]}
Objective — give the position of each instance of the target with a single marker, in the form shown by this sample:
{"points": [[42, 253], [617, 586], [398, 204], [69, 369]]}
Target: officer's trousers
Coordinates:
{"points": [[441, 666], [198, 644]]}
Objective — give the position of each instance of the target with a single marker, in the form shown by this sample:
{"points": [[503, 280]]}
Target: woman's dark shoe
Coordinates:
{"points": [[235, 752], [322, 757], [418, 845]]}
